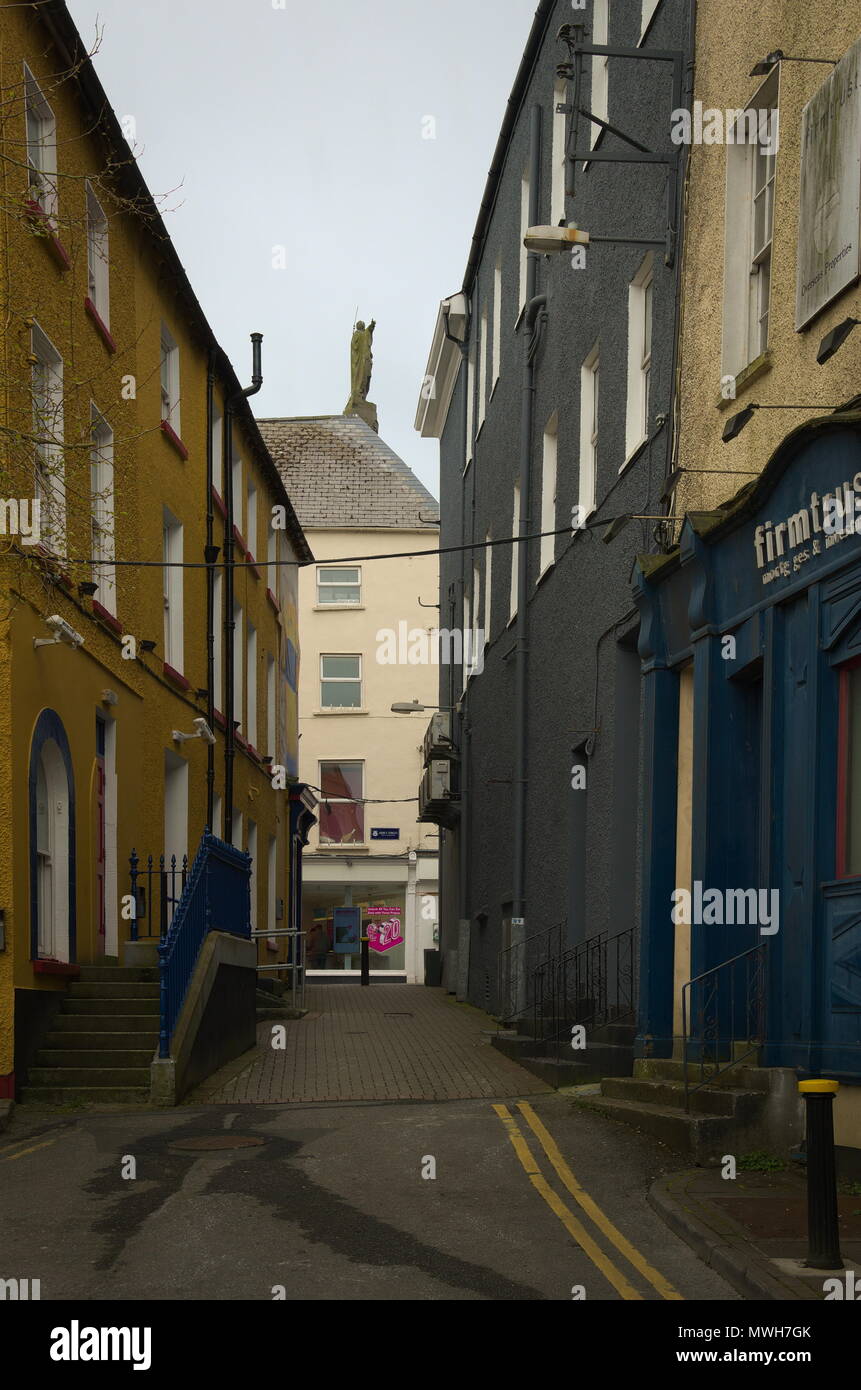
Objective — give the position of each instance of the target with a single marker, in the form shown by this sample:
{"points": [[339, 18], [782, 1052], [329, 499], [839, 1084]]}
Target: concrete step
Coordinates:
{"points": [[72, 1040], [703, 1138], [114, 989], [70, 1095], [114, 1006], [717, 1100], [743, 1076], [559, 1073], [61, 1077], [614, 1034], [89, 1022], [92, 974], [110, 1058]]}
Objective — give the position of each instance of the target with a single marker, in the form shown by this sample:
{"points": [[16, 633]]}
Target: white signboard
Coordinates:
{"points": [[829, 219]]}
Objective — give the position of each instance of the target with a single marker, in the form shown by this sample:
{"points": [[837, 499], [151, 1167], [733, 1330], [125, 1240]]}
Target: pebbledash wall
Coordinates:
{"points": [[582, 854]]}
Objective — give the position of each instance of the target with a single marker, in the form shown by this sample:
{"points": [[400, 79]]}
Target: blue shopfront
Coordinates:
{"points": [[750, 643]]}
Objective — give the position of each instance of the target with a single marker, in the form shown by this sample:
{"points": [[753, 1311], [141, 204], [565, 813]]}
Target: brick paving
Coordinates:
{"points": [[384, 1042]]}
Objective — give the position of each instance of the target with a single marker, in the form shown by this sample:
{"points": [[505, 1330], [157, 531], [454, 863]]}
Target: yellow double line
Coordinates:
{"points": [[21, 1152], [575, 1228]]}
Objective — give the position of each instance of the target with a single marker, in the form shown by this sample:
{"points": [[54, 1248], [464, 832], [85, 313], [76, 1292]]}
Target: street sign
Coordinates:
{"points": [[382, 832]]}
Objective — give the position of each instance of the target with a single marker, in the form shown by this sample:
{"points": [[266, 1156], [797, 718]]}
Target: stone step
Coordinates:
{"points": [[72, 1040], [92, 974], [711, 1100], [89, 1022], [110, 1058], [559, 1073], [61, 1077], [743, 1076], [113, 1006], [92, 1095], [614, 1034], [704, 1138], [114, 989]]}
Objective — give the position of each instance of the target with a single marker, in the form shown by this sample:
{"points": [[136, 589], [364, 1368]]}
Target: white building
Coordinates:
{"points": [[355, 499]]}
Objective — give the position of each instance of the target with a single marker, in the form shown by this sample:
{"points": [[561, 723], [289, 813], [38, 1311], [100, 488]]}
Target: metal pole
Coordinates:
{"points": [[823, 1240], [366, 961]]}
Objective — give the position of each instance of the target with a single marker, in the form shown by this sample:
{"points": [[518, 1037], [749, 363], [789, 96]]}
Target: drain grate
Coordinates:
{"points": [[208, 1143]]}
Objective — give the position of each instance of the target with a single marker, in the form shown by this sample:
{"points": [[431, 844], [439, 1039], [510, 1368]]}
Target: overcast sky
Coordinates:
{"points": [[301, 127]]}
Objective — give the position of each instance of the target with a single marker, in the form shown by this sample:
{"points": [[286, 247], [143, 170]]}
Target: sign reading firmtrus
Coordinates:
{"points": [[829, 217]]}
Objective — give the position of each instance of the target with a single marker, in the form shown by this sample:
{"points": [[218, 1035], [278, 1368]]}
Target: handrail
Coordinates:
{"points": [[592, 983], [216, 897], [714, 1007], [503, 1002]]}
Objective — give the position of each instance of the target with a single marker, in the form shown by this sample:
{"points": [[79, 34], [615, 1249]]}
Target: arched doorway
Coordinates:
{"points": [[52, 830]]}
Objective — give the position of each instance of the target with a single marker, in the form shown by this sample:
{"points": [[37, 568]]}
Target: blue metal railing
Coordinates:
{"points": [[216, 897]]}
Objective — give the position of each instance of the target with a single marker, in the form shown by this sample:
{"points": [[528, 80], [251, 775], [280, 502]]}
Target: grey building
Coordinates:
{"points": [[550, 387]]}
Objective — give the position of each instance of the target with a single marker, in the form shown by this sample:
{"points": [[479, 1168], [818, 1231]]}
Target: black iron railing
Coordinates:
{"points": [[592, 984], [723, 1017], [157, 886]]}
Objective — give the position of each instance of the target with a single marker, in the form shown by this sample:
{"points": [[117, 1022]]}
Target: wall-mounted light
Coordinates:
{"points": [[87, 588], [764, 66], [147, 646], [833, 341], [736, 423]]}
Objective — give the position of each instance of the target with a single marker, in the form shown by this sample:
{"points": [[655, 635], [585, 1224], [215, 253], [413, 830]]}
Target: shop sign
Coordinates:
{"points": [[782, 547], [384, 928], [830, 194]]}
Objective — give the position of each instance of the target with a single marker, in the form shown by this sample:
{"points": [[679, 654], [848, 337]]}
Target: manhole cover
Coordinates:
{"points": [[217, 1141]]}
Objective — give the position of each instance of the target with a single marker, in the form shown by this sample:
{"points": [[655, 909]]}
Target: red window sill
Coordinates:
{"points": [[38, 215], [273, 600], [240, 740], [106, 617], [101, 326], [219, 503], [252, 565], [258, 757], [240, 540], [176, 677], [219, 719], [173, 438], [56, 967]]}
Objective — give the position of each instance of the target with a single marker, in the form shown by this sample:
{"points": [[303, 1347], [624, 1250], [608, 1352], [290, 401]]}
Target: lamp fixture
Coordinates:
{"points": [[677, 474], [87, 588], [147, 646], [416, 707], [764, 66], [833, 341], [211, 553], [736, 423]]}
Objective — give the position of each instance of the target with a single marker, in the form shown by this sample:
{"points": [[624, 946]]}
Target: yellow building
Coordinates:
{"points": [[114, 403]]}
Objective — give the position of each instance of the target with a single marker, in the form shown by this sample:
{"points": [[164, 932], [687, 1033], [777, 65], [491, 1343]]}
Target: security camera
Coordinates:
{"points": [[62, 633], [203, 730]]}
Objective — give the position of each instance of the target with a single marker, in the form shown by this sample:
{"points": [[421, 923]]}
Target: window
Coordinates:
{"points": [[41, 146], [466, 635], [488, 588], [339, 585], [49, 477], [217, 453], [497, 323], [271, 558], [272, 889], [589, 379], [251, 847], [271, 706], [524, 227], [750, 184], [236, 838], [649, 7], [251, 520], [482, 368], [476, 619], [639, 357], [548, 496], [218, 633], [340, 682], [169, 380], [558, 170], [217, 826], [238, 673], [237, 493], [470, 400], [97, 258], [251, 665], [515, 550], [599, 100], [342, 815], [173, 615], [102, 511]]}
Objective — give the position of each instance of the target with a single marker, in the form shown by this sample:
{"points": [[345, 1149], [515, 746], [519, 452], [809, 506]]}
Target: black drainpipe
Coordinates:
{"points": [[229, 625], [210, 555]]}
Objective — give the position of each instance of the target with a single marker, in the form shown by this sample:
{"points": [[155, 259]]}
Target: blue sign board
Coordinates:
{"points": [[346, 924], [381, 832]]}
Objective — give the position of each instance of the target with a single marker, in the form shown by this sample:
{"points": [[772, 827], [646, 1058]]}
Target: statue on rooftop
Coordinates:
{"points": [[361, 366]]}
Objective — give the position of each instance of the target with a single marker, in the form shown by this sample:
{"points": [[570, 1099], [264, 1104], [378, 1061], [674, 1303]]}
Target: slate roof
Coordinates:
{"points": [[339, 473]]}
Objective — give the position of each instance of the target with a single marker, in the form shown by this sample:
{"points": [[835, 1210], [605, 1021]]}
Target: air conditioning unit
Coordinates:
{"points": [[436, 799], [438, 740]]}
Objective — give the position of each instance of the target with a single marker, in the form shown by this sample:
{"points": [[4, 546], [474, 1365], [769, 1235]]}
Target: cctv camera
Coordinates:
{"points": [[203, 730], [64, 632]]}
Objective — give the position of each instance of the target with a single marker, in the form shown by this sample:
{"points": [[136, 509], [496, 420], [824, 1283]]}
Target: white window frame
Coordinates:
{"points": [[599, 95], [547, 553], [253, 888], [747, 267], [49, 469], [515, 552], [558, 173], [218, 646], [590, 404], [271, 708], [346, 584], [169, 379], [640, 320], [98, 263], [218, 452], [172, 539], [251, 680], [40, 127], [238, 666], [238, 494], [649, 8], [470, 404], [102, 511], [525, 198], [496, 348], [488, 587], [251, 519], [343, 680], [465, 640], [482, 368]]}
